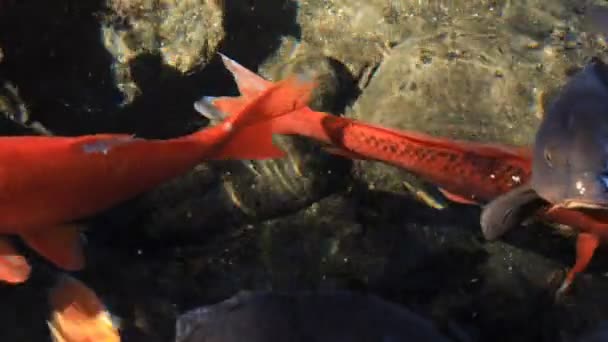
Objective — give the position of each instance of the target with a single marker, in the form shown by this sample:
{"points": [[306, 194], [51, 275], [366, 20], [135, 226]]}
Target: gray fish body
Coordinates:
{"points": [[597, 334], [570, 155], [304, 316]]}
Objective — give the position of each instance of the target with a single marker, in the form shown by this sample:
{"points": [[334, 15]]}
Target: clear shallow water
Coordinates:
{"points": [[470, 69]]}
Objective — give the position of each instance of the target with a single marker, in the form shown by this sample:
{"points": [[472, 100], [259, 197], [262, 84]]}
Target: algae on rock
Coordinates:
{"points": [[185, 33]]}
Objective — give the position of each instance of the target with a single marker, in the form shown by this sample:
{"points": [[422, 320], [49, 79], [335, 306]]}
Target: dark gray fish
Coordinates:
{"points": [[509, 210], [596, 19], [570, 154], [598, 334], [304, 316]]}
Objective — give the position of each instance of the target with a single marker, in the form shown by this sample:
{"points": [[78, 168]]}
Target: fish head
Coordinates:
{"points": [[570, 154]]}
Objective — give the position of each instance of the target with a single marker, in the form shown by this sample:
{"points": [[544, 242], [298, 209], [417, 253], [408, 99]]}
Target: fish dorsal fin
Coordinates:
{"points": [[457, 198]]}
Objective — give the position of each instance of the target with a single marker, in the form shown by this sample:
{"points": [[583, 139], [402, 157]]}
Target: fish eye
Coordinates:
{"points": [[548, 157]]}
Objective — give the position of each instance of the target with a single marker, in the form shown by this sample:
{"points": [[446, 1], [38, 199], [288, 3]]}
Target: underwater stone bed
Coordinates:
{"points": [[472, 70]]}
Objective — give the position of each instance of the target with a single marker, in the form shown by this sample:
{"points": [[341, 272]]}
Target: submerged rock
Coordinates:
{"points": [[336, 86], [300, 316], [467, 69], [185, 33]]}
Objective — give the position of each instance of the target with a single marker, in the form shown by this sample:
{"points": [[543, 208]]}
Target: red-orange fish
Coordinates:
{"points": [[47, 183], [14, 268], [78, 315], [466, 172]]}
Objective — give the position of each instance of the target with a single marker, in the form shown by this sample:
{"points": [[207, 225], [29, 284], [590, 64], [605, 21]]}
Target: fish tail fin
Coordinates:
{"points": [[250, 86], [78, 315], [251, 119], [249, 83], [14, 268]]}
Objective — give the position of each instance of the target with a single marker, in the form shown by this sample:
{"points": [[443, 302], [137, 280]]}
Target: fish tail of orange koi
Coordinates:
{"points": [[14, 268], [78, 315], [251, 116], [249, 83]]}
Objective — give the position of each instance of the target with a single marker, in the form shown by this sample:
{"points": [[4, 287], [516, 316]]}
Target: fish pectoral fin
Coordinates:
{"points": [[457, 198], [509, 210], [586, 244], [62, 245], [14, 268]]}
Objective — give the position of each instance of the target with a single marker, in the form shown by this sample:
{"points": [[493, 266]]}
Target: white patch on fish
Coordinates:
{"points": [[228, 126], [104, 145], [604, 180], [206, 108], [580, 187]]}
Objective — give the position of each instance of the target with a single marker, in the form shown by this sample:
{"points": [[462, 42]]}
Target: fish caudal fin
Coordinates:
{"points": [[280, 98], [208, 106], [78, 315], [61, 245], [252, 121], [249, 83], [14, 268]]}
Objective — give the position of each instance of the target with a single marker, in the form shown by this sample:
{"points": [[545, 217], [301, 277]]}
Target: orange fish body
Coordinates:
{"points": [[58, 180], [14, 268], [466, 172], [48, 183], [469, 171]]}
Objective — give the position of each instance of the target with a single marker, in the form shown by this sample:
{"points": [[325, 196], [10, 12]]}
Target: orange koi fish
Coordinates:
{"points": [[14, 268], [78, 315], [466, 172], [47, 183]]}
